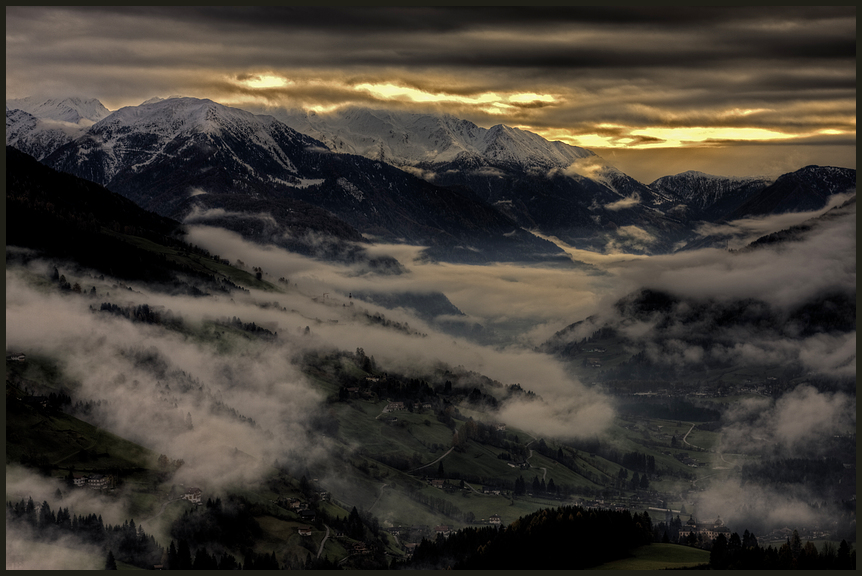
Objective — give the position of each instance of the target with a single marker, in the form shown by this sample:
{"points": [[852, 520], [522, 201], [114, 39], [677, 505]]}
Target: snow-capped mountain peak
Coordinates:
{"points": [[150, 128], [73, 109]]}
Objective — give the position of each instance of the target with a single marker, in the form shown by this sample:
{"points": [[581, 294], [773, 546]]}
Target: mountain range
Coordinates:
{"points": [[469, 193]]}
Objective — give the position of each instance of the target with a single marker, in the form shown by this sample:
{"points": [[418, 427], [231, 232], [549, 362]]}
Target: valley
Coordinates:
{"points": [[228, 344]]}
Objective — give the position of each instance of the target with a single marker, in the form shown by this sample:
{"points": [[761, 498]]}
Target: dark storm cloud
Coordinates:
{"points": [[581, 38], [445, 19]]}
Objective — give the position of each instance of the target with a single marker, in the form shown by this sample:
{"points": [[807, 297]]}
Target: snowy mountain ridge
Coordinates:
{"points": [[180, 154], [81, 111], [424, 140]]}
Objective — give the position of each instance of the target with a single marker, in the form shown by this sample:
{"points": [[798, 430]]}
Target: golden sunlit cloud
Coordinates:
{"points": [[265, 81], [321, 109], [494, 103], [530, 98], [589, 140], [393, 91], [747, 112], [677, 137]]}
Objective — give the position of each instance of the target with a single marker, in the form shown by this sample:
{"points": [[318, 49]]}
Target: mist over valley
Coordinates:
{"points": [[350, 346]]}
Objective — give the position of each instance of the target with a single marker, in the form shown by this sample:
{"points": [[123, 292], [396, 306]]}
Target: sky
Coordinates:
{"points": [[654, 91]]}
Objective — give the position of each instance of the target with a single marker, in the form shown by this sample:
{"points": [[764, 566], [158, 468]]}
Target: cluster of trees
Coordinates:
{"points": [[744, 553], [229, 525], [639, 462], [165, 464], [364, 362], [219, 408], [179, 557], [636, 482], [378, 318], [127, 542], [517, 391], [538, 487], [250, 327], [482, 400], [143, 313], [485, 434], [442, 506], [548, 536]]}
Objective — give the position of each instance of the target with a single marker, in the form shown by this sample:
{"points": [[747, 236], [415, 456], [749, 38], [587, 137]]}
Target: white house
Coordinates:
{"points": [[193, 495]]}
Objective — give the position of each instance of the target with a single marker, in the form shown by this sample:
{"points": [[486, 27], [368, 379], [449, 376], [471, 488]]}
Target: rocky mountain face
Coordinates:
{"points": [[705, 196]]}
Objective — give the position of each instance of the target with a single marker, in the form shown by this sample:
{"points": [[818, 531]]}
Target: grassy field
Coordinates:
{"points": [[659, 557], [65, 441], [282, 537]]}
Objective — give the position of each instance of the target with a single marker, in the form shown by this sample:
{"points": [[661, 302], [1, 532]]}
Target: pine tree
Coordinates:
{"points": [[110, 562], [184, 555]]}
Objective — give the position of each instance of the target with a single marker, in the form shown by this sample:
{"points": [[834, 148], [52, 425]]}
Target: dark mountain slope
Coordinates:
{"points": [[169, 156], [63, 216], [805, 190]]}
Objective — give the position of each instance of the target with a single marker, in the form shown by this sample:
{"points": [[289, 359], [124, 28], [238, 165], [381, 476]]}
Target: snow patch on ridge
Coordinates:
{"points": [[351, 189]]}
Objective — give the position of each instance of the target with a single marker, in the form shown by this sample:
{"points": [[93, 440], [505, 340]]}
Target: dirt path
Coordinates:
{"points": [[73, 453], [320, 551], [434, 462], [686, 435], [693, 482], [379, 496], [471, 488], [161, 510]]}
